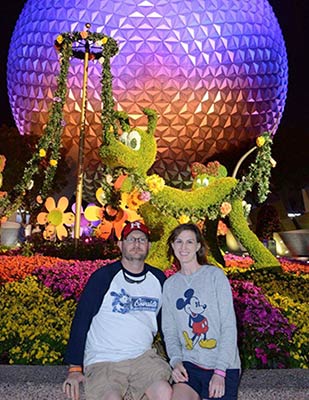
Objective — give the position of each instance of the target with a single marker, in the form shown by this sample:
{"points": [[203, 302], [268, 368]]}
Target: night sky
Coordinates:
{"points": [[291, 142]]}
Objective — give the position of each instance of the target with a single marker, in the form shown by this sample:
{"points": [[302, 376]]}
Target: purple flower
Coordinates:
{"points": [[68, 277], [263, 329]]}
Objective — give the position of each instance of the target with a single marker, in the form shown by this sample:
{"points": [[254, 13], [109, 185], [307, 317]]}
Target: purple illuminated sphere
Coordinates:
{"points": [[215, 71]]}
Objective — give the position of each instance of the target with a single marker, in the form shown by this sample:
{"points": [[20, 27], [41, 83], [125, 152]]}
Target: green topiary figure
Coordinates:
{"points": [[130, 155]]}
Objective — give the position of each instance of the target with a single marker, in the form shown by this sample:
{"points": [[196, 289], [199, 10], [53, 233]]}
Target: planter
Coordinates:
{"points": [[9, 233]]}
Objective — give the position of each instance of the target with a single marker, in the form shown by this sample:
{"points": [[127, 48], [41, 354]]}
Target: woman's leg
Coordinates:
{"points": [[112, 396]]}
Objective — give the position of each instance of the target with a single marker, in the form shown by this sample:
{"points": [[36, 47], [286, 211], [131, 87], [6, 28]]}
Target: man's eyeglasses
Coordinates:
{"points": [[141, 240]]}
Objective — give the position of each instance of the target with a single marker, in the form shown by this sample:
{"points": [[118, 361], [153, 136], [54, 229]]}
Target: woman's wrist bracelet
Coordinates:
{"points": [[75, 369], [220, 372]]}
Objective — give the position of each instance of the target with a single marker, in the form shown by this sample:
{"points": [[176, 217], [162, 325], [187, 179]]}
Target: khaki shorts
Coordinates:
{"points": [[135, 375]]}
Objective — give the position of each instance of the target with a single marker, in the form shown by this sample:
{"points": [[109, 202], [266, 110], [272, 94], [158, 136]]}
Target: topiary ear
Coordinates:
{"points": [[222, 171], [123, 119], [152, 120]]}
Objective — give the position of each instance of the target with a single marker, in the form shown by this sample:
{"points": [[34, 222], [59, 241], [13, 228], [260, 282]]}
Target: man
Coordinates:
{"points": [[110, 345]]}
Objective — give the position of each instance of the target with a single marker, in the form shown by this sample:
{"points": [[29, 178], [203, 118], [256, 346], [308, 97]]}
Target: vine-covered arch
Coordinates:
{"points": [[45, 158]]}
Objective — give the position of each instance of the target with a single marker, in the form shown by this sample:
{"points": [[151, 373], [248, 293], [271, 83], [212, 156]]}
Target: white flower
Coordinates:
{"points": [[246, 207], [30, 185], [109, 179]]}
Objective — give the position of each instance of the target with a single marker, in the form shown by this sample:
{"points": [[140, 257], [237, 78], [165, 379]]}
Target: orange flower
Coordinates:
{"points": [[105, 228], [222, 228], [84, 34], [39, 199], [119, 181], [2, 162], [3, 220], [15, 268]]}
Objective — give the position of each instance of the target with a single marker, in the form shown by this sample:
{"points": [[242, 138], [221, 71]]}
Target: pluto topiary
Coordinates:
{"points": [[128, 155]]}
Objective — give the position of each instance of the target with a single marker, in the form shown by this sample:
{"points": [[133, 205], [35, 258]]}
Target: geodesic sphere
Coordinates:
{"points": [[215, 71]]}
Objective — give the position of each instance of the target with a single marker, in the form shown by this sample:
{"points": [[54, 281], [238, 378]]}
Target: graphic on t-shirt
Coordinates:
{"points": [[197, 321], [124, 303]]}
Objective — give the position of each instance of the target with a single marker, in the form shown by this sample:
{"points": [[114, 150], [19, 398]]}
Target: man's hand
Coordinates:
{"points": [[71, 385]]}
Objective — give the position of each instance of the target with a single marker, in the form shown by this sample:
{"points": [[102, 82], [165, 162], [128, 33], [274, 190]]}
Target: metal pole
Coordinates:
{"points": [[241, 160], [80, 170]]}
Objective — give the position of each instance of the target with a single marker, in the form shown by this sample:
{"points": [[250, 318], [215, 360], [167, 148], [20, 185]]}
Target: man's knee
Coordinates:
{"points": [[160, 390]]}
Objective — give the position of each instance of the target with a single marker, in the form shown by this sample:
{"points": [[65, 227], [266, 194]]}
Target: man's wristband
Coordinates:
{"points": [[220, 372], [75, 369]]}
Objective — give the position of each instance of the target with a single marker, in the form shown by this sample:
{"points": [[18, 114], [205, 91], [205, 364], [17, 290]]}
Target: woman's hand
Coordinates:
{"points": [[71, 385], [179, 373], [216, 386]]}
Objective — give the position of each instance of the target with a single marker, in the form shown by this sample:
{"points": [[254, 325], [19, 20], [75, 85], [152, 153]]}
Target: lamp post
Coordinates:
{"points": [[80, 165]]}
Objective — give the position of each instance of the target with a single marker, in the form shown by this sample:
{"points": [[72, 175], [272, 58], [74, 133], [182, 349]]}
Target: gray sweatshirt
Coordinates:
{"points": [[198, 319]]}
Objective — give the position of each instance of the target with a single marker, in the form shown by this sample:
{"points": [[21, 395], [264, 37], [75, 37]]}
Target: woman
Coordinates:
{"points": [[198, 322]]}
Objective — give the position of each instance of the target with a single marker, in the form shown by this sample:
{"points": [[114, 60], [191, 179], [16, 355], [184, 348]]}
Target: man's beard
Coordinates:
{"points": [[134, 257]]}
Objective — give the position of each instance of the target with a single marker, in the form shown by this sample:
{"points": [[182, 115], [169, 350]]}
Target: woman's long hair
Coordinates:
{"points": [[201, 254]]}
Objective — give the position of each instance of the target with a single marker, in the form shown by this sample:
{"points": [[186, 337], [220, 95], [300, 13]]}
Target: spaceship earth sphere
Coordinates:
{"points": [[214, 70]]}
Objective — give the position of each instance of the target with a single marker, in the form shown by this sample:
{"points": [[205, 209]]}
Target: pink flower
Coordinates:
{"points": [[145, 196]]}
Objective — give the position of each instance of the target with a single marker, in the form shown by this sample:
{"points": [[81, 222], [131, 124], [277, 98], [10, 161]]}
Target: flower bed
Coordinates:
{"points": [[38, 296]]}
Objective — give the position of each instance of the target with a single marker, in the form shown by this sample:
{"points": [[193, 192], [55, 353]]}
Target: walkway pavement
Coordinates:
{"points": [[19, 382]]}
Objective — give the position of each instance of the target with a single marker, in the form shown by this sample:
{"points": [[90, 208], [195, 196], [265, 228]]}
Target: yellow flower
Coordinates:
{"points": [[104, 40], [56, 218], [133, 200], [155, 183], [53, 163], [260, 141], [59, 39], [183, 219], [100, 196], [132, 215], [42, 153]]}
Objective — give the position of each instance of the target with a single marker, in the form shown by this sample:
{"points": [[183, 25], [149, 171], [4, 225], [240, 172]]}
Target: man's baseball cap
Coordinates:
{"points": [[134, 226]]}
